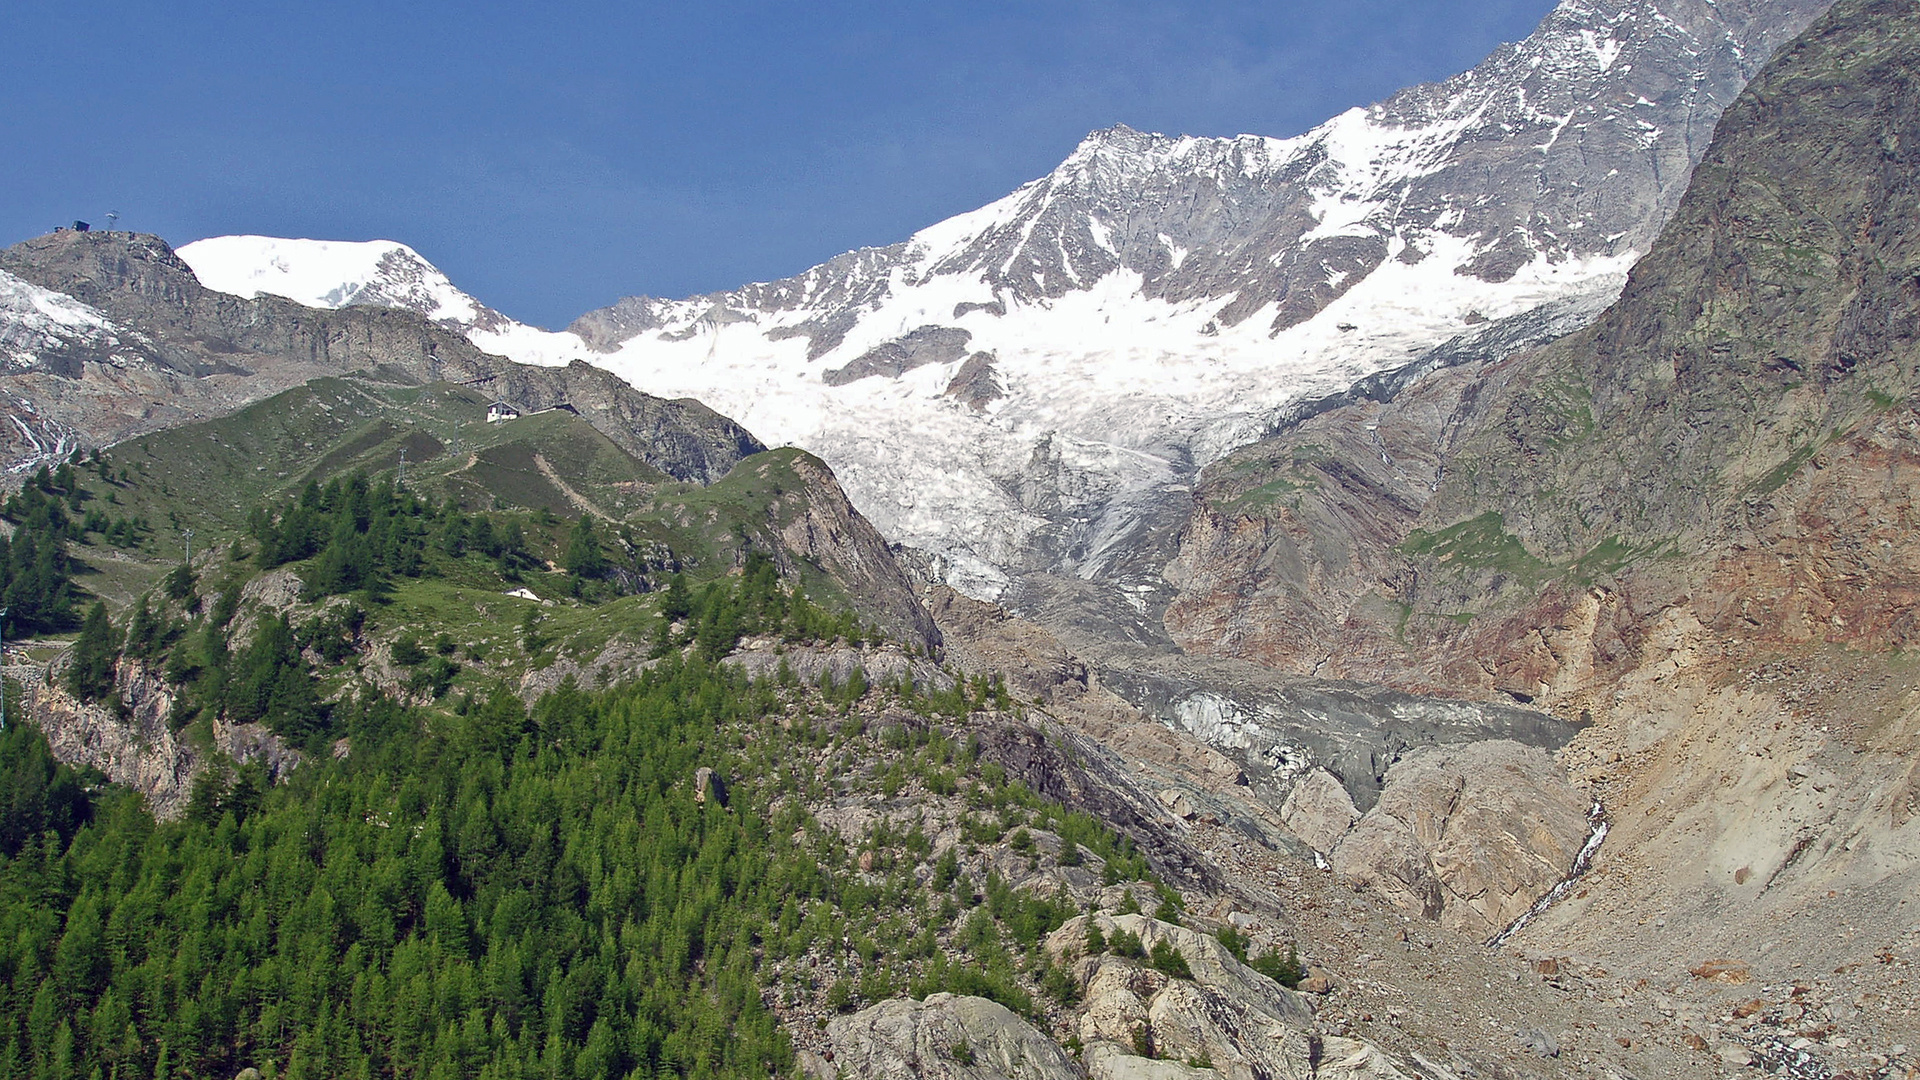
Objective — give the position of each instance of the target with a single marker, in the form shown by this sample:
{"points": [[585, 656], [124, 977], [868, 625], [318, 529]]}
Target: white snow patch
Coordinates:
{"points": [[1604, 50], [1175, 253], [1102, 236], [34, 320], [317, 273], [26, 304]]}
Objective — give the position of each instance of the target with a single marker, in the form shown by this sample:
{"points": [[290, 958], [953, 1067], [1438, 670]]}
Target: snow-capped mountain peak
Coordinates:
{"points": [[1012, 389], [383, 273], [1020, 390], [330, 274]]}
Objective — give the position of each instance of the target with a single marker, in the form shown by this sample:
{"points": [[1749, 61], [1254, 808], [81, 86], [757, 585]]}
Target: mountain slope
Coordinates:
{"points": [[1692, 523], [1015, 389], [1770, 325], [928, 821], [274, 701]]}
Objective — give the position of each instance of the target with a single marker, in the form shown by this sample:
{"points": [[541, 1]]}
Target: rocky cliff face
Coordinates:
{"points": [[109, 335], [1768, 336], [131, 742], [1690, 523], [815, 522]]}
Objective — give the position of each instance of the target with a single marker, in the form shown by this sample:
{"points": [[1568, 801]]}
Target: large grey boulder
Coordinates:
{"points": [[1245, 1024], [1468, 835], [1318, 810], [1106, 1061], [945, 1037], [1353, 1059]]}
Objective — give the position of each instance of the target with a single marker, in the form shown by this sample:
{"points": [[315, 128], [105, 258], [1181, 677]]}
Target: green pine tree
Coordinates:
{"points": [[583, 558], [91, 675]]}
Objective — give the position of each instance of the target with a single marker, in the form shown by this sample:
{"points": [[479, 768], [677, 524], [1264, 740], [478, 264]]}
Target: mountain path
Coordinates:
{"points": [[574, 497]]}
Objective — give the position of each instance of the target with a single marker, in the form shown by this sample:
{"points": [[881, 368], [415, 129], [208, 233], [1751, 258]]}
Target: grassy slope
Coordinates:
{"points": [[208, 477]]}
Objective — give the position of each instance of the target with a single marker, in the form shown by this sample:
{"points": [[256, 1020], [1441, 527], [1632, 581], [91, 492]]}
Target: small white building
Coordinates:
{"points": [[499, 411]]}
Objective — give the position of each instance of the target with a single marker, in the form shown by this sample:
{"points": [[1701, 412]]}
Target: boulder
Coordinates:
{"points": [[945, 1037], [1245, 1024], [1468, 835], [1209, 961], [1544, 1045], [1193, 1021], [1318, 810], [1105, 1061], [1319, 983], [1116, 995], [1352, 1059], [707, 785]]}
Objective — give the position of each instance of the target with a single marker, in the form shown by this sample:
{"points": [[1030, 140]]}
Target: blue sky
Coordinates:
{"points": [[553, 158]]}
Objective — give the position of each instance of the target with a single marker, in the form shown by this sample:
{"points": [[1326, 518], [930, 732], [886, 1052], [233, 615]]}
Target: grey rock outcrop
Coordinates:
{"points": [[817, 523], [1468, 835], [976, 383], [1319, 810], [1226, 1021], [139, 750], [709, 787], [945, 1037], [680, 437], [1106, 1061], [134, 745], [924, 345], [1355, 1059], [1247, 1025]]}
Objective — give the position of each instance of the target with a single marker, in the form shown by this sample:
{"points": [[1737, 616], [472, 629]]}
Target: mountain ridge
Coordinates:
{"points": [[201, 353], [1155, 301], [379, 273]]}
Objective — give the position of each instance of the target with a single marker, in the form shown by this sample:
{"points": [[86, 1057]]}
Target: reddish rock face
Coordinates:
{"points": [[1693, 523], [1832, 558]]}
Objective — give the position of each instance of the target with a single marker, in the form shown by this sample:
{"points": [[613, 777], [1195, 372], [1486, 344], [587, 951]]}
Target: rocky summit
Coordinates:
{"points": [[1431, 597]]}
